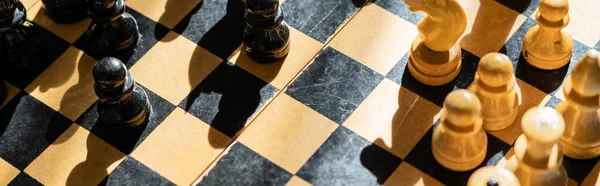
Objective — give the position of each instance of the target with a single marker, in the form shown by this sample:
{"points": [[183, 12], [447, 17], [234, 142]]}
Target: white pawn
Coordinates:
{"points": [[459, 142], [547, 46], [580, 110], [496, 88], [537, 158]]}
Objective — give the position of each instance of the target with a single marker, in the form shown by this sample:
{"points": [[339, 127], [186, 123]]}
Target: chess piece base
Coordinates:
{"points": [[491, 175], [580, 140], [545, 53], [500, 123], [126, 115], [431, 67], [452, 156], [268, 56], [531, 172], [267, 45]]}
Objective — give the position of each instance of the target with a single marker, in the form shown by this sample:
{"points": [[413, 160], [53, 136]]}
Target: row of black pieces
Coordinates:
{"points": [[266, 36], [22, 46]]}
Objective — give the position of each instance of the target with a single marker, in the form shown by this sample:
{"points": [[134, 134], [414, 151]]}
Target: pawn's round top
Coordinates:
{"points": [[543, 124], [462, 107], [554, 10], [586, 74], [495, 69], [109, 72], [492, 175]]}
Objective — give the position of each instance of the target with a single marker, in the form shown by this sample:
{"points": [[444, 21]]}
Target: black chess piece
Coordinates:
{"points": [[113, 31], [267, 35], [123, 106], [66, 11], [19, 42]]}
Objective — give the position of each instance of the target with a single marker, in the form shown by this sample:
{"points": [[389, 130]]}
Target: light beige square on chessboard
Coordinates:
{"points": [[490, 25], [77, 157], [181, 148], [302, 50], [393, 118], [174, 67], [68, 32], [297, 181], [406, 174], [165, 12], [67, 85], [28, 3], [375, 37], [280, 133], [11, 92], [7, 172], [529, 97]]}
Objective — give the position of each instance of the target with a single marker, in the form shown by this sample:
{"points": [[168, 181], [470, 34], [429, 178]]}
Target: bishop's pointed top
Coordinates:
{"points": [[586, 74]]}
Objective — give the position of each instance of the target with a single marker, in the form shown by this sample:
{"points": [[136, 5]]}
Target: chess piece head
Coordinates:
{"points": [[543, 124], [586, 74], [554, 10], [495, 69], [264, 8], [105, 10], [462, 107], [109, 73], [493, 175], [7, 7], [12, 13]]}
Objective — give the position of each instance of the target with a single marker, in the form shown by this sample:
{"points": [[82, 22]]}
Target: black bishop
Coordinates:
{"points": [[122, 105]]}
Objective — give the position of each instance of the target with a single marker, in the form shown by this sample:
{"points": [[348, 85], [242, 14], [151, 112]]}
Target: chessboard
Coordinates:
{"points": [[340, 109]]}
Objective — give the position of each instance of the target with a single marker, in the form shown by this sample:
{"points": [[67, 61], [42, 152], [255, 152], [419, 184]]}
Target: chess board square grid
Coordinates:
{"points": [[532, 94], [399, 10], [74, 35]]}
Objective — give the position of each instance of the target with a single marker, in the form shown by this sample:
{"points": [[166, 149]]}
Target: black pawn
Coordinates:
{"points": [[122, 105], [19, 44], [113, 31], [66, 11], [267, 35]]}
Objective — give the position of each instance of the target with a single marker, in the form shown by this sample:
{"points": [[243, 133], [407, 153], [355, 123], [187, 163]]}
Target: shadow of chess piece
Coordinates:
{"points": [[496, 87], [267, 35], [123, 106], [492, 175], [580, 110], [2, 91], [435, 55], [537, 158], [19, 42], [113, 31], [459, 142], [546, 45], [65, 11]]}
